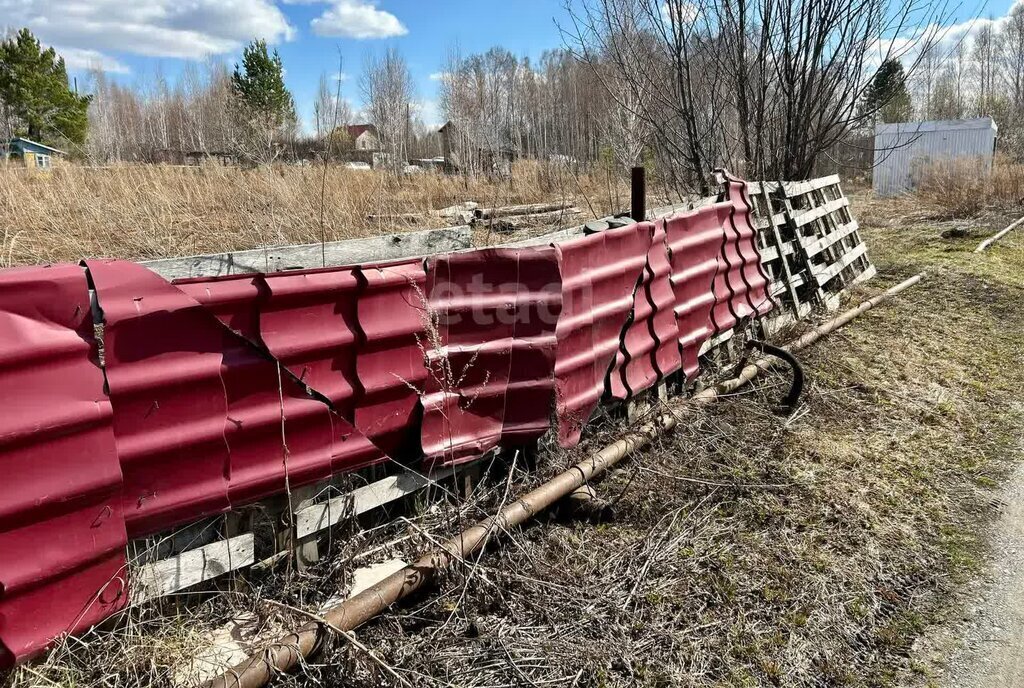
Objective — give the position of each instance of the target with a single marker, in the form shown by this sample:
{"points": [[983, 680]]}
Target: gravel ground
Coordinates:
{"points": [[983, 646]]}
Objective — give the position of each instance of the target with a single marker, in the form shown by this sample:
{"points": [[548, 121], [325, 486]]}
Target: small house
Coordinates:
{"points": [[31, 153], [364, 137]]}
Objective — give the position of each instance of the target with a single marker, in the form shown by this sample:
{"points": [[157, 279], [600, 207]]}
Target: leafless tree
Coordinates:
{"points": [[764, 86], [387, 90]]}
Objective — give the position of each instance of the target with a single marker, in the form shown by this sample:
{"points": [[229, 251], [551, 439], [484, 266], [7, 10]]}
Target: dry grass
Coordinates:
{"points": [[747, 549], [961, 190], [146, 211]]}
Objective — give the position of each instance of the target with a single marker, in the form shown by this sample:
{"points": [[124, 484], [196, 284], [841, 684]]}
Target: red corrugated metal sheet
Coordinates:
{"points": [[695, 244], [741, 291], [599, 275], [530, 397], [472, 299], [235, 300], [62, 534], [649, 351], [308, 321], [163, 363], [276, 434], [390, 353], [305, 320]]}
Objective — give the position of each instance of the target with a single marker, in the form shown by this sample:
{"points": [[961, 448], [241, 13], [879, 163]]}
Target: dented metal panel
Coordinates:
{"points": [[530, 397], [741, 288], [306, 321], [649, 351], [599, 274], [62, 534], [390, 357], [276, 434], [695, 245], [163, 364], [235, 300], [472, 310]]}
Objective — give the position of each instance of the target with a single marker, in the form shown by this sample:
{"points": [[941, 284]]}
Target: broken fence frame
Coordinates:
{"points": [[810, 248]]}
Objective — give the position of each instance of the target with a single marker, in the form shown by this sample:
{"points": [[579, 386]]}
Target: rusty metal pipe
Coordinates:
{"points": [[286, 653]]}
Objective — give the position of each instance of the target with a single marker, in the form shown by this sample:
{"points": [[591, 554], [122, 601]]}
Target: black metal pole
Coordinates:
{"points": [[638, 194]]}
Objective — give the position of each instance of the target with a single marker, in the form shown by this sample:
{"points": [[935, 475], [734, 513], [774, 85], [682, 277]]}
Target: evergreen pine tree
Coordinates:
{"points": [[887, 98], [34, 89], [258, 85]]}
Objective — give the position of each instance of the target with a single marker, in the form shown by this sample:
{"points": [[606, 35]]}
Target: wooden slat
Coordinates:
{"points": [[813, 214], [813, 248], [191, 568], [824, 274], [780, 286], [317, 517], [866, 275], [795, 188], [332, 254], [770, 253]]}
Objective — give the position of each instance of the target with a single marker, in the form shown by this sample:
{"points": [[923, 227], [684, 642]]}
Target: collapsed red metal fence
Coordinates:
{"points": [[215, 393]]}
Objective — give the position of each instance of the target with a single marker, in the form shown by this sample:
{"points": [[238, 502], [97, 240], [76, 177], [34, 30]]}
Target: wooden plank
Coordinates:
{"points": [[813, 248], [190, 568], [573, 232], [716, 341], [332, 254], [824, 274], [770, 253], [795, 188], [317, 517], [813, 214], [865, 276]]}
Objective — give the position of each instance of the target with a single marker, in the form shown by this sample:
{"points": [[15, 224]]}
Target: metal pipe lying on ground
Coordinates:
{"points": [[996, 237], [286, 653]]}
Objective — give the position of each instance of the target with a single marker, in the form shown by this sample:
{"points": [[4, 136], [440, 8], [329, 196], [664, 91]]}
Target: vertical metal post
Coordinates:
{"points": [[638, 194]]}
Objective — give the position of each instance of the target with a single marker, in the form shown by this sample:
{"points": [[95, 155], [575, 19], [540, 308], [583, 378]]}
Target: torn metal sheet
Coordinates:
{"points": [[741, 289], [649, 351], [306, 321], [235, 300], [472, 310], [530, 396], [62, 532], [163, 353], [599, 275], [695, 245], [390, 353]]}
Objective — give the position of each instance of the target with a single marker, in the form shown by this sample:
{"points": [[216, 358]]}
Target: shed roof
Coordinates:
{"points": [[936, 125], [357, 130], [22, 142]]}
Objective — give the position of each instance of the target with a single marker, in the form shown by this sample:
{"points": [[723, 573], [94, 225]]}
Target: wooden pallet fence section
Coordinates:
{"points": [[819, 219]]}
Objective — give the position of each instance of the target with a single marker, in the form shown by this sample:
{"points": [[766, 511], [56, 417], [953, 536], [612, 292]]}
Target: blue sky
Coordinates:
{"points": [[130, 40]]}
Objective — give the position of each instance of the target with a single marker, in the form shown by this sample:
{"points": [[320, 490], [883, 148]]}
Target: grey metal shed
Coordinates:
{"points": [[901, 150]]}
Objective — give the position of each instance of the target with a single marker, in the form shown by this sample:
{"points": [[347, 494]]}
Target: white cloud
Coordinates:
{"points": [[342, 76], [686, 12], [438, 76], [82, 59], [429, 111], [357, 19], [89, 29]]}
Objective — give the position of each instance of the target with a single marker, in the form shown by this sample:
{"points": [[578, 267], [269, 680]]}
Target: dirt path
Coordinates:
{"points": [[988, 640]]}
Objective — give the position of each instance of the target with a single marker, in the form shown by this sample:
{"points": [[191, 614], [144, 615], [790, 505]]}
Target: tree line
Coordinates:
{"points": [[768, 88]]}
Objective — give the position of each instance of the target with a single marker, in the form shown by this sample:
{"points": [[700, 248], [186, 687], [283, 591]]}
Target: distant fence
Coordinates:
{"points": [[155, 404]]}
